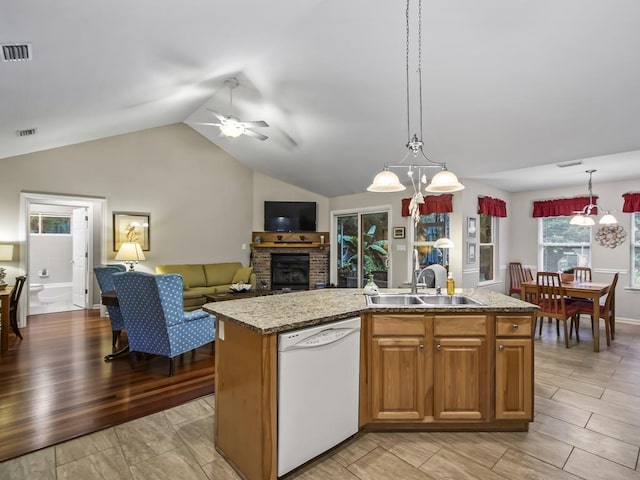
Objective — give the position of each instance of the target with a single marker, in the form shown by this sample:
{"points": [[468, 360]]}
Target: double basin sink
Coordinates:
{"points": [[419, 300]]}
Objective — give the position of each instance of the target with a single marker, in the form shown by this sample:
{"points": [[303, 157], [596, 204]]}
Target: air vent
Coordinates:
{"points": [[27, 132], [569, 164], [16, 52]]}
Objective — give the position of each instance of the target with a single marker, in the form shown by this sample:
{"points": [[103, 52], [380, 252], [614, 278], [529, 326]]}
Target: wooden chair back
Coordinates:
{"points": [[582, 274], [516, 275], [13, 304], [550, 297]]}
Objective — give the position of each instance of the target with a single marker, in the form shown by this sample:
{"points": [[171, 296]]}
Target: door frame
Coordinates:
{"points": [[96, 210], [334, 214]]}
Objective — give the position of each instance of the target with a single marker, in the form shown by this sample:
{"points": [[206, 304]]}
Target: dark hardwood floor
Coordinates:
{"points": [[56, 385]]}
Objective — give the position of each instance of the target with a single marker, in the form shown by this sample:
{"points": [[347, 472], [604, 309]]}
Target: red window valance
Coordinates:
{"points": [[432, 204], [492, 206], [631, 202], [562, 207]]}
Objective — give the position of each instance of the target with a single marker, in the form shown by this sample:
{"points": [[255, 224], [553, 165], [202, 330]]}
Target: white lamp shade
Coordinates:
{"points": [[608, 219], [130, 252], [386, 181], [443, 242], [6, 253], [444, 181]]}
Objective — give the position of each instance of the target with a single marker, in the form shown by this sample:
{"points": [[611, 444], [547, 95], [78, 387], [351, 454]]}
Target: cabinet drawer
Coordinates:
{"points": [[398, 325], [457, 325], [513, 326]]}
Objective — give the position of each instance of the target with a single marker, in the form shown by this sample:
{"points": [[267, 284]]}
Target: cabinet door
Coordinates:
{"points": [[514, 396], [460, 379], [397, 378]]}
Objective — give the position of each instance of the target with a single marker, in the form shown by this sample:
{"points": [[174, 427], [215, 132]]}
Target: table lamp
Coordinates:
{"points": [[6, 254], [130, 253]]}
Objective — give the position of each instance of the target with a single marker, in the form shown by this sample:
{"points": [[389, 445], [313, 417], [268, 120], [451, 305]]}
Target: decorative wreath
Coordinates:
{"points": [[610, 235]]}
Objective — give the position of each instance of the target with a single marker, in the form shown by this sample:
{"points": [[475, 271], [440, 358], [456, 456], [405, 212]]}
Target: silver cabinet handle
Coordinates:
{"points": [[501, 347], [438, 347], [515, 326]]}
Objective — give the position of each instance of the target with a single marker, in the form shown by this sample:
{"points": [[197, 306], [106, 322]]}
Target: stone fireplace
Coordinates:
{"points": [[264, 253]]}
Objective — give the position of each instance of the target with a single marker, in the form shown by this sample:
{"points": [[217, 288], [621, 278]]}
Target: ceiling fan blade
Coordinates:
{"points": [[205, 123], [219, 116], [255, 124], [253, 134]]}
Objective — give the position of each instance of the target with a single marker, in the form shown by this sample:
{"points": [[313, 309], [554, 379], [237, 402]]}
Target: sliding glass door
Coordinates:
{"points": [[362, 240]]}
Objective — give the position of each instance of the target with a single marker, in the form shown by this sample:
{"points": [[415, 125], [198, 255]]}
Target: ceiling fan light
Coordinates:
{"points": [[608, 219], [444, 181], [232, 129], [386, 181]]}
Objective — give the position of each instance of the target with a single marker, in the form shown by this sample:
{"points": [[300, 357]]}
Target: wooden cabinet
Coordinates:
{"points": [[397, 367], [461, 369], [514, 368]]}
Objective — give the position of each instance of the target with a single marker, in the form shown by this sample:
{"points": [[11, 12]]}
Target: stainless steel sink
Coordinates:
{"points": [[419, 300], [449, 300], [394, 299]]}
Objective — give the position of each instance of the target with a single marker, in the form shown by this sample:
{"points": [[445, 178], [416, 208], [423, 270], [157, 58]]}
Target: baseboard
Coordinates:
{"points": [[632, 321]]}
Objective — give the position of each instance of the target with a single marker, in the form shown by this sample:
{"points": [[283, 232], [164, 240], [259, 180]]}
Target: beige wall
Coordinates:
{"points": [[200, 199]]}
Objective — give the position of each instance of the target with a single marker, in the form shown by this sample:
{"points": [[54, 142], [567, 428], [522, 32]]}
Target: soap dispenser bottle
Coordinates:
{"points": [[451, 284]]}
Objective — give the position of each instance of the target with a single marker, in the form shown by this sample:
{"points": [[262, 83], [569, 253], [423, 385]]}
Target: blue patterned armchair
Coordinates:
{"points": [[153, 315], [105, 282]]}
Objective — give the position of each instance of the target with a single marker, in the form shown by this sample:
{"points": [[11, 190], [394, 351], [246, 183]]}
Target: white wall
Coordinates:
{"points": [[523, 237]]}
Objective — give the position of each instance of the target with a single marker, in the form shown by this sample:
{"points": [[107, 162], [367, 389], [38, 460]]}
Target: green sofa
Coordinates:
{"points": [[204, 279]]}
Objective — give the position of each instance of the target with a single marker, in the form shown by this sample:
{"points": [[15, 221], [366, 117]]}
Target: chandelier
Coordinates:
{"points": [[583, 217], [442, 182]]}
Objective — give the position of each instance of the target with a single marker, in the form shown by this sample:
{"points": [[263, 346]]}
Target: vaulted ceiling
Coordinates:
{"points": [[507, 84]]}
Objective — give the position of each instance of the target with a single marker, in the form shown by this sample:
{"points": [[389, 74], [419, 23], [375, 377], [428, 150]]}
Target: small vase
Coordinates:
{"points": [[371, 288]]}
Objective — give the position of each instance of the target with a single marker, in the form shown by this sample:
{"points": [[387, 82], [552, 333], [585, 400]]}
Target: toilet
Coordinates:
{"points": [[34, 289]]}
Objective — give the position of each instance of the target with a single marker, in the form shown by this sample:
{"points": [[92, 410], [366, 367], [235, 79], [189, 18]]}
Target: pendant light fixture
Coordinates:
{"points": [[583, 217], [442, 182]]}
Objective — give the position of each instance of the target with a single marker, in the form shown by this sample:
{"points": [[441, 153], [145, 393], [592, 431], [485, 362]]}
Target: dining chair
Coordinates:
{"points": [[13, 304], [607, 312], [517, 276], [550, 297]]}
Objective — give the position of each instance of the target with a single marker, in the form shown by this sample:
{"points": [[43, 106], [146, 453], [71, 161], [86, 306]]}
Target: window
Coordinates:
{"points": [[41, 223], [487, 247], [563, 245], [430, 228], [635, 254]]}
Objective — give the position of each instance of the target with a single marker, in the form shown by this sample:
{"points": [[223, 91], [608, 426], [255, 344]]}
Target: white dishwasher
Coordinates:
{"points": [[317, 390]]}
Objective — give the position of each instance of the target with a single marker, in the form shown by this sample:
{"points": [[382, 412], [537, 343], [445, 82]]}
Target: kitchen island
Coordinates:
{"points": [[441, 368]]}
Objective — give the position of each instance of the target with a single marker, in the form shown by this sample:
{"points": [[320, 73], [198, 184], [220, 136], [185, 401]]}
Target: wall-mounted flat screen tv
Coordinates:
{"points": [[289, 216]]}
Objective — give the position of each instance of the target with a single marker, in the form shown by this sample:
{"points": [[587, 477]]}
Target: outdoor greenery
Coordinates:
{"points": [[564, 244], [374, 246]]}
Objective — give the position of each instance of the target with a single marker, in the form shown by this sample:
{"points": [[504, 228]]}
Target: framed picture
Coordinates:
{"points": [[471, 252], [131, 227], [471, 227], [398, 232]]}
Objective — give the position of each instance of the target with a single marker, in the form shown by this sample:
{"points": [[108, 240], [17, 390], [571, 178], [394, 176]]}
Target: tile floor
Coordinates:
{"points": [[587, 426]]}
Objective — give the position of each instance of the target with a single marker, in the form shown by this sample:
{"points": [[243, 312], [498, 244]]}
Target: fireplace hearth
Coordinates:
{"points": [[290, 271]]}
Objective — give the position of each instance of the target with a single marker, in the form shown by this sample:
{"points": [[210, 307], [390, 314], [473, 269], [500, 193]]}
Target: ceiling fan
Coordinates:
{"points": [[231, 126]]}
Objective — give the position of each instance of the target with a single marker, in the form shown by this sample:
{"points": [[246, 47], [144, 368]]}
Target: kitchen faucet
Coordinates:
{"points": [[415, 271]]}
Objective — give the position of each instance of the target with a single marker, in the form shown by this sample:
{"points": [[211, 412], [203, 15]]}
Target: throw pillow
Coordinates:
{"points": [[242, 275]]}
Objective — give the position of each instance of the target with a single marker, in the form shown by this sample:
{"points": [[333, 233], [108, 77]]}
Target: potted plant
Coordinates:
{"points": [[567, 275]]}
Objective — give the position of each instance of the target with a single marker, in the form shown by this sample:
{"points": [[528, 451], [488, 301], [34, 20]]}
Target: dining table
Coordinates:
{"points": [[5, 298], [584, 290]]}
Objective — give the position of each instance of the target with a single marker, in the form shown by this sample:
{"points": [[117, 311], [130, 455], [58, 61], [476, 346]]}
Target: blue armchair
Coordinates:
{"points": [[153, 315], [105, 282]]}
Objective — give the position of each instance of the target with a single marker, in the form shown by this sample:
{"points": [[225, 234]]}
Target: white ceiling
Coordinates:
{"points": [[507, 84]]}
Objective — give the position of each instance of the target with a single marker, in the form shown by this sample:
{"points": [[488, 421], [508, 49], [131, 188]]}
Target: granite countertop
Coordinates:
{"points": [[280, 313]]}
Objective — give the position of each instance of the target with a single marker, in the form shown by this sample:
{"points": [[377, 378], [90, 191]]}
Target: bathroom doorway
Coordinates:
{"points": [[62, 241]]}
